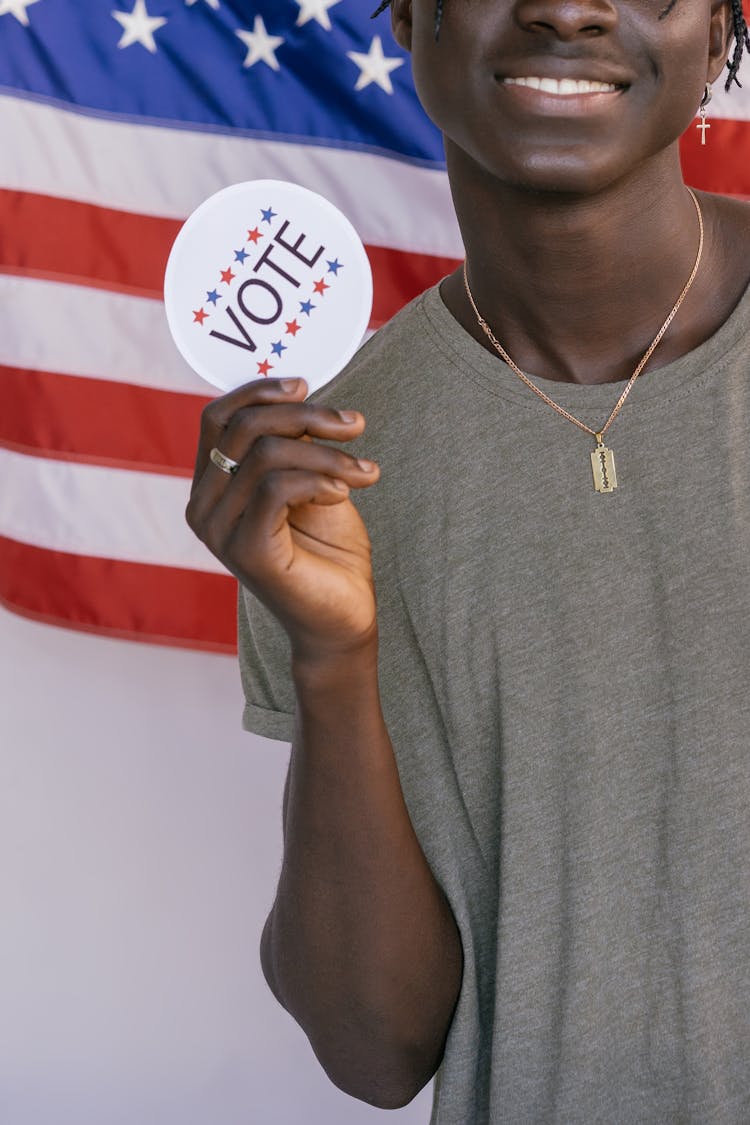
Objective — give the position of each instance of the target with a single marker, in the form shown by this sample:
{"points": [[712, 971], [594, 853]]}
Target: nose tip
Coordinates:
{"points": [[567, 19]]}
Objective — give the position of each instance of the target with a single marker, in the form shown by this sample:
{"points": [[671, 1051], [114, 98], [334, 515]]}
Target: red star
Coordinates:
{"points": [[227, 276], [264, 367], [199, 316], [320, 287], [292, 327], [254, 235]]}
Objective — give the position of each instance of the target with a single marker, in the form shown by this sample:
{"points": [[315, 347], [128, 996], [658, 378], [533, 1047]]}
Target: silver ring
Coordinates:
{"points": [[226, 464]]}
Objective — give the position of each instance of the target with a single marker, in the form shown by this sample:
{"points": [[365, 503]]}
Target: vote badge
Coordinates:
{"points": [[267, 279]]}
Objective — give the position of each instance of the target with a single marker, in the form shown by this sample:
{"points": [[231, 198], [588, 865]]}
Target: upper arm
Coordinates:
{"points": [[266, 940], [285, 799]]}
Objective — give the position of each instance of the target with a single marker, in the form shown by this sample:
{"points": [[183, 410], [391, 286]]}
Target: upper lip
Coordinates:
{"points": [[579, 70]]}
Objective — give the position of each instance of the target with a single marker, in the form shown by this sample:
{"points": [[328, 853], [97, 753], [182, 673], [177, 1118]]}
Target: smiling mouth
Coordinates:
{"points": [[564, 87]]}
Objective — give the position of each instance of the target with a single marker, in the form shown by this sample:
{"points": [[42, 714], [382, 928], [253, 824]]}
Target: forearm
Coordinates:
{"points": [[361, 946]]}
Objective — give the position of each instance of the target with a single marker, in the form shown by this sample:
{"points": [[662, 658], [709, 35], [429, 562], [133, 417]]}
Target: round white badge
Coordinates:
{"points": [[267, 279]]}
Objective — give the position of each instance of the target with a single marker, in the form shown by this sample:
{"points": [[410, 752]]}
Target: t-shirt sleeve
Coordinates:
{"points": [[265, 670]]}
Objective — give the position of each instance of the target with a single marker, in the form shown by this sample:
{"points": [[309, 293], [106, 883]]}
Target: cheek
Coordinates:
{"points": [[670, 60], [678, 45], [446, 70], [438, 86], [681, 75], [448, 76]]}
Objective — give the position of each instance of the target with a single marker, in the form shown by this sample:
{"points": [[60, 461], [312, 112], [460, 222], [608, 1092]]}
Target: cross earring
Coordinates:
{"points": [[703, 124]]}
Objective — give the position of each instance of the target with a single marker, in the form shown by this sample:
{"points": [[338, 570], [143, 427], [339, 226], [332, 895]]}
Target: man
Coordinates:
{"points": [[517, 818]]}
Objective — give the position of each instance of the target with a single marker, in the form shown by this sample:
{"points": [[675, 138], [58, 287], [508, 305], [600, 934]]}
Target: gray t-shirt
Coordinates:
{"points": [[565, 679]]}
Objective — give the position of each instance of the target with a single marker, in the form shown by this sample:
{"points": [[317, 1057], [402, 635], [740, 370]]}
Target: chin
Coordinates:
{"points": [[571, 170], [574, 177]]}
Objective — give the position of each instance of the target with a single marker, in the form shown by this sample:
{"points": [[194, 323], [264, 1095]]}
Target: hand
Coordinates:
{"points": [[283, 522]]}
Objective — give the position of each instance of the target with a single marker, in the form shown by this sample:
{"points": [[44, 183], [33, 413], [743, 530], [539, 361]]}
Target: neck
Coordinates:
{"points": [[576, 287]]}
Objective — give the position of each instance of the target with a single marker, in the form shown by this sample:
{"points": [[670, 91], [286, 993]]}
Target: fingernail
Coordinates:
{"points": [[347, 416], [341, 485], [366, 466], [289, 385]]}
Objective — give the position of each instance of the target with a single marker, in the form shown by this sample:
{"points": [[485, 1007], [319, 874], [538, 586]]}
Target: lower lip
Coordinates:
{"points": [[563, 105]]}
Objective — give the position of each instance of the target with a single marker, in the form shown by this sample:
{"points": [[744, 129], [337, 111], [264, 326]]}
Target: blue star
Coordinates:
{"points": [[306, 307], [268, 215], [213, 296], [239, 256], [335, 266], [278, 348]]}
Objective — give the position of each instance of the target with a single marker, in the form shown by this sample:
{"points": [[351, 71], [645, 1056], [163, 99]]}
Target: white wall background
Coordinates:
{"points": [[140, 841]]}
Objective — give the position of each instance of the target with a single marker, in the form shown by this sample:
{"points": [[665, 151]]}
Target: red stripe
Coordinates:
{"points": [[131, 601], [93, 420], [63, 240], [723, 163], [398, 277]]}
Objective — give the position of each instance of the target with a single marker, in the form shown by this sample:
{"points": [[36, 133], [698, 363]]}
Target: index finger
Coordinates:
{"points": [[219, 413]]}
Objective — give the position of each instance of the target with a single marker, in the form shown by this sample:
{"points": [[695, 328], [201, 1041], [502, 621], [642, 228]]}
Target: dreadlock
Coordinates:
{"points": [[741, 41], [741, 32]]}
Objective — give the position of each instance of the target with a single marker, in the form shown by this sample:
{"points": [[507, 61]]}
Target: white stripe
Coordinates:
{"points": [[734, 105], [75, 330], [106, 513], [164, 171]]}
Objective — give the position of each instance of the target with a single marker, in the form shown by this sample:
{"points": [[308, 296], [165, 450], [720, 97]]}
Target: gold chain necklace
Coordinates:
{"points": [[602, 458]]}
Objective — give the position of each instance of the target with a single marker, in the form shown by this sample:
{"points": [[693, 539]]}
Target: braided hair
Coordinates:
{"points": [[741, 33], [741, 41]]}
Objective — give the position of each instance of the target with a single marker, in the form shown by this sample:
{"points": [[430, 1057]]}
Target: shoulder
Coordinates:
{"points": [[727, 269], [732, 213], [728, 220]]}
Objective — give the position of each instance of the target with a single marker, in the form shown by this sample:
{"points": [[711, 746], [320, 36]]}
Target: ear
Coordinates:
{"points": [[401, 22], [721, 33]]}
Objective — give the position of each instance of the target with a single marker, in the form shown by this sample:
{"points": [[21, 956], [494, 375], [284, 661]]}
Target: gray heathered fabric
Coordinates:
{"points": [[565, 679]]}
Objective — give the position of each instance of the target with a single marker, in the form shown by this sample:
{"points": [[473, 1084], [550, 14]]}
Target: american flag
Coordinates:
{"points": [[116, 120]]}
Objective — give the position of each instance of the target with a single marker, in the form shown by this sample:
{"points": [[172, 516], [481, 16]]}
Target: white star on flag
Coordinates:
{"points": [[375, 67], [260, 45], [139, 26], [16, 8], [211, 3], [315, 10]]}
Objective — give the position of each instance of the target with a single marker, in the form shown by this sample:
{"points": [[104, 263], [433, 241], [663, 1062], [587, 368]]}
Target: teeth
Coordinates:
{"points": [[563, 85]]}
